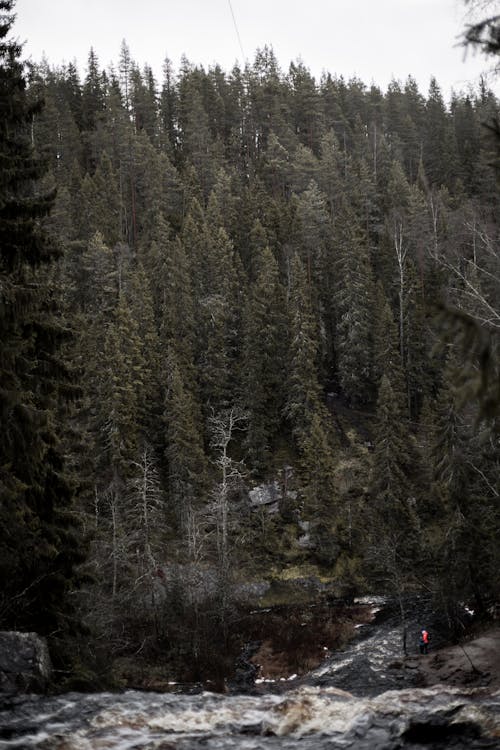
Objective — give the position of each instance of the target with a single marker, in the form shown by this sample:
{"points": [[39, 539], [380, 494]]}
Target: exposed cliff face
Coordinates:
{"points": [[24, 663]]}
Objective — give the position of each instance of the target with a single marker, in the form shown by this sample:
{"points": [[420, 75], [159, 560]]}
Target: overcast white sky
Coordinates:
{"points": [[375, 40]]}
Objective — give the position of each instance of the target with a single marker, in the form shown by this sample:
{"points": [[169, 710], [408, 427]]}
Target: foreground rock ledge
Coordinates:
{"points": [[25, 665]]}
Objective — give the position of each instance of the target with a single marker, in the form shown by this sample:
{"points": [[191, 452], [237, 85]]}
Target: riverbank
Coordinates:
{"points": [[283, 643], [473, 663], [356, 648]]}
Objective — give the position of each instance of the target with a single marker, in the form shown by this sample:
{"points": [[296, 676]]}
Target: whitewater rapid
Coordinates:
{"points": [[309, 717]]}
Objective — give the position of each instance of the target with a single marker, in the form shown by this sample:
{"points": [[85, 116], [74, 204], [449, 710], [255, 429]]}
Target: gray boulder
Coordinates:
{"points": [[25, 665], [265, 496]]}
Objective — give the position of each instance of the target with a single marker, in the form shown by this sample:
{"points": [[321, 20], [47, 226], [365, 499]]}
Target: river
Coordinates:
{"points": [[383, 710], [307, 717]]}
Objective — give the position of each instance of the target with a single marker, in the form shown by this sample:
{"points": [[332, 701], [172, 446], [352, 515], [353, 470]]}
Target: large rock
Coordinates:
{"points": [[265, 496], [273, 497], [25, 665]]}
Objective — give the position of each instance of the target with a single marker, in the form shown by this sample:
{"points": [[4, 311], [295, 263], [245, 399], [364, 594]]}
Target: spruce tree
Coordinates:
{"points": [[354, 301], [439, 147], [168, 110], [40, 541], [140, 302], [107, 210], [186, 462], [303, 388], [92, 107], [313, 231], [320, 496], [393, 519], [309, 420], [218, 314], [465, 466], [264, 346]]}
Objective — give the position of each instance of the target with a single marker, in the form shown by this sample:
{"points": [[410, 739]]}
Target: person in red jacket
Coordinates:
{"points": [[424, 641]]}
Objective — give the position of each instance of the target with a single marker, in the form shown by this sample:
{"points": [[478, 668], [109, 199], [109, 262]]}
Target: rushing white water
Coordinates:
{"points": [[316, 716], [306, 718]]}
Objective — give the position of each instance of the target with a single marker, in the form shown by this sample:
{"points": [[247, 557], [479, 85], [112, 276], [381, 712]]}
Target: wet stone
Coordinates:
{"points": [[363, 723], [24, 663]]}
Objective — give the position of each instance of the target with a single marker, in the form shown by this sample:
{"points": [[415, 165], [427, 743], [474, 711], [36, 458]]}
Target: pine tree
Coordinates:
{"points": [[386, 350], [177, 310], [257, 242], [418, 357], [73, 93], [267, 101], [97, 283], [305, 106], [276, 166], [223, 204], [448, 448]]}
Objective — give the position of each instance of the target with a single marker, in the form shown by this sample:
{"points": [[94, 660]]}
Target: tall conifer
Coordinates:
{"points": [[39, 540]]}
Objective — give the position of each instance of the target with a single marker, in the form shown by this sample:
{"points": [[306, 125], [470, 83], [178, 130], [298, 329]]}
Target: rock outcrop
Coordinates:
{"points": [[25, 665]]}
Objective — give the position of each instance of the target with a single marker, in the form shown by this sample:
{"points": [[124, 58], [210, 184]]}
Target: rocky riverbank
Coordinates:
{"points": [[473, 663], [375, 661]]}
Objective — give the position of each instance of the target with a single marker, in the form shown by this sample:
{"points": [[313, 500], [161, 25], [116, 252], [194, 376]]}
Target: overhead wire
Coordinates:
{"points": [[237, 32]]}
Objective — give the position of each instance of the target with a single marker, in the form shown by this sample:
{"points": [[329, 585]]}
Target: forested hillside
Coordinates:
{"points": [[230, 278]]}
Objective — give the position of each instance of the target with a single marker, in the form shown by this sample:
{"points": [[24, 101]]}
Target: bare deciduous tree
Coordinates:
{"points": [[222, 429]]}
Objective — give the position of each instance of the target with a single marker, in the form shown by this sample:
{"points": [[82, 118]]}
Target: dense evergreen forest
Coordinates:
{"points": [[229, 279]]}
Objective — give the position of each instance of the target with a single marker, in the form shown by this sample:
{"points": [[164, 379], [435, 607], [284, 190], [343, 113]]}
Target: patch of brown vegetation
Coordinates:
{"points": [[295, 640]]}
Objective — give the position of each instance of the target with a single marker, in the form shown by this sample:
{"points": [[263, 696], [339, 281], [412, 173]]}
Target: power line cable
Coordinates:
{"points": [[237, 32]]}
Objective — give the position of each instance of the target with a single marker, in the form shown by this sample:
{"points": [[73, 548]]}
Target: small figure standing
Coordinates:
{"points": [[424, 641]]}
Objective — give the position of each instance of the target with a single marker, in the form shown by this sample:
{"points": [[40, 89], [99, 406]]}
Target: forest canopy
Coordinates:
{"points": [[236, 278]]}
